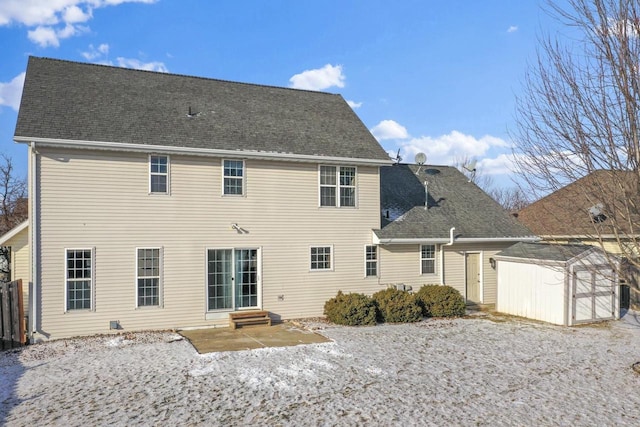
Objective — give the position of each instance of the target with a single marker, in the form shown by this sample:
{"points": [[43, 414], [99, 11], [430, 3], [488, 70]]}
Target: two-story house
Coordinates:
{"points": [[168, 201]]}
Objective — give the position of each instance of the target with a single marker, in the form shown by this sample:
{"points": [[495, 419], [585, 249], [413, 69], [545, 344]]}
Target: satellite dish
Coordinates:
{"points": [[471, 167], [421, 158]]}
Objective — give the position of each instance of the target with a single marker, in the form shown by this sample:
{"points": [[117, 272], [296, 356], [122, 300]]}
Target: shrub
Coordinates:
{"points": [[397, 306], [351, 310], [440, 301]]}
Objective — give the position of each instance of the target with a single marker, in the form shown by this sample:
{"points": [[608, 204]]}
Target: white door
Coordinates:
{"points": [[472, 277]]}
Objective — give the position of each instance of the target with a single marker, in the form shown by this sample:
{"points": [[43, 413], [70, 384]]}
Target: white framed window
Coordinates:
{"points": [[371, 260], [321, 258], [158, 174], [79, 279], [337, 186], [233, 177], [427, 259], [149, 277]]}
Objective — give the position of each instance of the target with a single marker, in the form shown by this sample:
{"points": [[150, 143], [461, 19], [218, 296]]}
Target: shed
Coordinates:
{"points": [[563, 284]]}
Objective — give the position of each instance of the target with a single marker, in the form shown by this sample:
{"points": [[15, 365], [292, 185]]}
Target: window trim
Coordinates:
{"points": [[167, 175], [434, 259], [160, 277], [337, 186], [92, 297], [331, 258], [242, 179], [374, 261]]}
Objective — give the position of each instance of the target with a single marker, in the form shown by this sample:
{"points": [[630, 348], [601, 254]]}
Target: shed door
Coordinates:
{"points": [[472, 262], [593, 294]]}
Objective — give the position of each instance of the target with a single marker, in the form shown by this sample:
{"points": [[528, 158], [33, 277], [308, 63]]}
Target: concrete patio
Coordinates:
{"points": [[250, 337]]}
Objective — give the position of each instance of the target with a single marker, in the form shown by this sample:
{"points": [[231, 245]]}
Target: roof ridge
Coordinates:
{"points": [[93, 64]]}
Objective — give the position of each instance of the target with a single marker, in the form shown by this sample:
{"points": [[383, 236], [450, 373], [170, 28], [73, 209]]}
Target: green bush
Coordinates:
{"points": [[440, 301], [351, 310], [397, 306]]}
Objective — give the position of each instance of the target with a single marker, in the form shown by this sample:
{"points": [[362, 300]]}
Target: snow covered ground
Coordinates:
{"points": [[473, 371]]}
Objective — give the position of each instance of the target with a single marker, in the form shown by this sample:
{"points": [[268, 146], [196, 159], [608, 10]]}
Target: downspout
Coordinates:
{"points": [[451, 239], [33, 229]]}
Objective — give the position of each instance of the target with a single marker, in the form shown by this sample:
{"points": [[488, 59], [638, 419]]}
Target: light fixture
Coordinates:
{"points": [[492, 262]]}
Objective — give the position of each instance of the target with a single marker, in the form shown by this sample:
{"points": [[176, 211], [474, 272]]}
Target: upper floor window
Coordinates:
{"points": [[337, 186], [233, 177], [428, 259], [158, 174], [79, 279], [371, 260]]}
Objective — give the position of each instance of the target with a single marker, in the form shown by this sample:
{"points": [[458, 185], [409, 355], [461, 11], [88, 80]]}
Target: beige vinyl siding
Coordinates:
{"points": [[401, 264], [102, 202], [20, 266]]}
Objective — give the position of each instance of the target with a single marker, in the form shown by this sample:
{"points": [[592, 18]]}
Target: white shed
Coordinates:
{"points": [[560, 284]]}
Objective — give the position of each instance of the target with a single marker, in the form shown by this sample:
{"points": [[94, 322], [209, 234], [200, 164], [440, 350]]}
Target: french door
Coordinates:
{"points": [[232, 279]]}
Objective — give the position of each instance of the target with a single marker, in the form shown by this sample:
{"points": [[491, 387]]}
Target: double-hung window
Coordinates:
{"points": [[233, 177], [428, 259], [371, 260], [321, 258], [158, 174], [338, 186], [148, 269], [79, 279]]}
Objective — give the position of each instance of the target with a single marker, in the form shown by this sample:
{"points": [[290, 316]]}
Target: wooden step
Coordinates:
{"points": [[254, 317]]}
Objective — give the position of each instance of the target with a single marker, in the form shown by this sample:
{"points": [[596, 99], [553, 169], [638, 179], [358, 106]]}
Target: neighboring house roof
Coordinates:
{"points": [[453, 202], [66, 101], [589, 206], [545, 251], [13, 232]]}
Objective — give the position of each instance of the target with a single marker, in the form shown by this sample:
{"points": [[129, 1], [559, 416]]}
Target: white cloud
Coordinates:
{"points": [[354, 104], [447, 149], [10, 93], [389, 129], [96, 52], [319, 79], [512, 29], [139, 65], [49, 21], [503, 164]]}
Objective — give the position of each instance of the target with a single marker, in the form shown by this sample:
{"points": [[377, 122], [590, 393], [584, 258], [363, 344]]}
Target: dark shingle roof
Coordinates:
{"points": [[545, 251], [565, 212], [453, 202], [85, 102]]}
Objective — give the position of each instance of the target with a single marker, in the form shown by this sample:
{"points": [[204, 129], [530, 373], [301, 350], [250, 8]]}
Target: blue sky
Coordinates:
{"points": [[424, 76]]}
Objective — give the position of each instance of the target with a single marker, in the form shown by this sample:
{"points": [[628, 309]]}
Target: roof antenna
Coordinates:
{"points": [[420, 159], [397, 158]]}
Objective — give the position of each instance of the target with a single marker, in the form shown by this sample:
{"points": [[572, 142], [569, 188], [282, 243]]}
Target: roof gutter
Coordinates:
{"points": [[449, 242], [246, 154]]}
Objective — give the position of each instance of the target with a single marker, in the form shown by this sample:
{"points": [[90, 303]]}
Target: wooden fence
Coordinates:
{"points": [[12, 330]]}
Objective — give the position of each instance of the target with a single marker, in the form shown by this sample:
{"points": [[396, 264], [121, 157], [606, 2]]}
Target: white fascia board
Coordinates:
{"points": [[404, 241], [11, 233], [536, 261], [164, 149]]}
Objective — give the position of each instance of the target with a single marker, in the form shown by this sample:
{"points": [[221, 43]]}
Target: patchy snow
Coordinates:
{"points": [[475, 371]]}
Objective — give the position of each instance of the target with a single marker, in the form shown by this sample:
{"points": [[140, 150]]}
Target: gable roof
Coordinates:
{"points": [[64, 101], [566, 212], [453, 202], [13, 232]]}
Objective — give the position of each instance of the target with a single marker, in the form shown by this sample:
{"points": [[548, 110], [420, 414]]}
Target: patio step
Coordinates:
{"points": [[255, 317]]}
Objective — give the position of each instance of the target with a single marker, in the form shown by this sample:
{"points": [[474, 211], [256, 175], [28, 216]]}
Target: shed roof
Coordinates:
{"points": [[545, 251], [71, 101], [453, 201]]}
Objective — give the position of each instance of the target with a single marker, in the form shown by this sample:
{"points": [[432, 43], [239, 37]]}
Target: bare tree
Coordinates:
{"points": [[580, 113], [511, 198], [13, 206]]}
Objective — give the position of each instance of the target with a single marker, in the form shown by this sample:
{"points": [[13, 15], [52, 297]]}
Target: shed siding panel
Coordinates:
{"points": [[20, 266], [103, 202], [532, 290]]}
